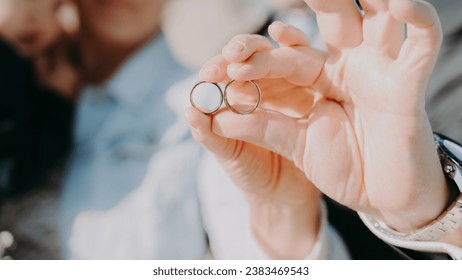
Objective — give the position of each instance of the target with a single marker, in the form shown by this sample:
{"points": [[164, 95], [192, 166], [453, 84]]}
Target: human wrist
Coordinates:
{"points": [[423, 191], [285, 231], [421, 214], [450, 218]]}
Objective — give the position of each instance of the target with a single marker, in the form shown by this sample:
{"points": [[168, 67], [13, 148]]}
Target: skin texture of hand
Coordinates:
{"points": [[284, 204], [366, 141]]}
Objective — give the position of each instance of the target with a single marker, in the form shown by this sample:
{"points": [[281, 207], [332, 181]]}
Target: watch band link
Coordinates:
{"points": [[448, 221]]}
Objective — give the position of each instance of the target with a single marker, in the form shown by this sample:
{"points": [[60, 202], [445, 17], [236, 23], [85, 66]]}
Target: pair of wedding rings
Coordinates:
{"points": [[224, 98]]}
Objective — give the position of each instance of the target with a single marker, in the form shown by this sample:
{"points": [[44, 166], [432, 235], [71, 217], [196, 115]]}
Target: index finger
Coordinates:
{"points": [[424, 34], [214, 70], [299, 65], [340, 22]]}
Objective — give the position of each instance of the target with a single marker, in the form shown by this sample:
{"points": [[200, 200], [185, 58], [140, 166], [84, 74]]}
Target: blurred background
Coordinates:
{"points": [[52, 52]]}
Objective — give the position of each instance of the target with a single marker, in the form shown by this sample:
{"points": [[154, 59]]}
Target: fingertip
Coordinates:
{"points": [[287, 35], [234, 50], [237, 49], [400, 9], [418, 13], [189, 115], [276, 28], [243, 46], [421, 18], [223, 119], [210, 73], [234, 70], [213, 70], [197, 119], [201, 130], [252, 70]]}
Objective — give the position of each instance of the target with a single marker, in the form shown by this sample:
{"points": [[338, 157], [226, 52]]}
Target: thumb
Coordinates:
{"points": [[268, 129], [201, 125]]}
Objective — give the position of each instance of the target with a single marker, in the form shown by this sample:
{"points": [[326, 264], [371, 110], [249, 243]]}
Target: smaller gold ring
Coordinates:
{"points": [[225, 96], [214, 110]]}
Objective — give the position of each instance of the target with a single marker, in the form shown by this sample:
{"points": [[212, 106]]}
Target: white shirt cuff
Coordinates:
{"points": [[329, 244]]}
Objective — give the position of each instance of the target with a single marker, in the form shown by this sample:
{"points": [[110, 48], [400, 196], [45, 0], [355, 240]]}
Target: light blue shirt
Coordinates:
{"points": [[119, 127], [139, 187]]}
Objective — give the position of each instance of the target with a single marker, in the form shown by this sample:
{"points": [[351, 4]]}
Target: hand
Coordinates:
{"points": [[284, 204], [366, 142]]}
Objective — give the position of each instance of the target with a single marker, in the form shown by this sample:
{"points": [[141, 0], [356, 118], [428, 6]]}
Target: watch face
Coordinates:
{"points": [[454, 150], [450, 153], [451, 148]]}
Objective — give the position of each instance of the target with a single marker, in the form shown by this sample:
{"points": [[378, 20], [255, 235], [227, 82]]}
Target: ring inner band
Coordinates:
{"points": [[208, 112], [225, 96]]}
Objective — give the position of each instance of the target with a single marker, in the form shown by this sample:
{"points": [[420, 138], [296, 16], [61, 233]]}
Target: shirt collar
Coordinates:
{"points": [[141, 73]]}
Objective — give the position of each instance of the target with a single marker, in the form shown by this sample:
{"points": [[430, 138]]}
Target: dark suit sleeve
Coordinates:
{"points": [[35, 126]]}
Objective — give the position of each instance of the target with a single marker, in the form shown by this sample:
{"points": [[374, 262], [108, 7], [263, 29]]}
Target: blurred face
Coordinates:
{"points": [[120, 22], [30, 26]]}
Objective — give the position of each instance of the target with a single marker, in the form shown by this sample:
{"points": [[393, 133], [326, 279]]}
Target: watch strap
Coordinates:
{"points": [[424, 239], [380, 230], [448, 221]]}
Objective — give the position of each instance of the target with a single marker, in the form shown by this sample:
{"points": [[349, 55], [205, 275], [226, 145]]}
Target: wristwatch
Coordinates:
{"points": [[424, 239]]}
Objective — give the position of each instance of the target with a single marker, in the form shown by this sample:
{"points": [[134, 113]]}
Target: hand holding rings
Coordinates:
{"points": [[224, 98]]}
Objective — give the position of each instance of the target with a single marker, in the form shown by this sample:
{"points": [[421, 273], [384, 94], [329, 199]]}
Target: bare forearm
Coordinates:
{"points": [[285, 231]]}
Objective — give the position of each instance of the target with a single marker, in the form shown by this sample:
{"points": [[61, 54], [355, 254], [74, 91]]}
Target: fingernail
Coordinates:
{"points": [[236, 71], [234, 48], [231, 71], [283, 24], [280, 23]]}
